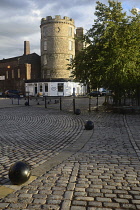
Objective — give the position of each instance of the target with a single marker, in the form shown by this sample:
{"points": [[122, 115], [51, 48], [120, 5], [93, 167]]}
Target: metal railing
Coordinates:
{"points": [[70, 104]]}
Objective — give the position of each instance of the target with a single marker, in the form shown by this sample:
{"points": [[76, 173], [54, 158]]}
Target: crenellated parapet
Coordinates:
{"points": [[57, 19]]}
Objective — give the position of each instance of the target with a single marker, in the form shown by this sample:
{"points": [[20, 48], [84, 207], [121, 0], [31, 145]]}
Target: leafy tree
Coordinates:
{"points": [[112, 59]]}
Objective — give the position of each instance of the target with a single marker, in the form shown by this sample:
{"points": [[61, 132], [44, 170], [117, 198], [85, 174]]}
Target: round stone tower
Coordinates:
{"points": [[57, 46]]}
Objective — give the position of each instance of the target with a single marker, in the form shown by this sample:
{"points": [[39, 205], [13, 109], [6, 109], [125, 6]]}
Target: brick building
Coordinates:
{"points": [[14, 71]]}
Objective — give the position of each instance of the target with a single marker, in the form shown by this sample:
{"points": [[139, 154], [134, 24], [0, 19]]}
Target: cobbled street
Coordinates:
{"points": [[73, 168]]}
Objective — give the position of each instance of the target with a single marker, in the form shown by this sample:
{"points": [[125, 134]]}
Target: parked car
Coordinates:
{"points": [[1, 94], [13, 93], [104, 92], [95, 93]]}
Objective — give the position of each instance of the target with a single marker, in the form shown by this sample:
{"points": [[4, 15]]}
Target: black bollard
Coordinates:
{"points": [[26, 103], [77, 111], [89, 125], [19, 173]]}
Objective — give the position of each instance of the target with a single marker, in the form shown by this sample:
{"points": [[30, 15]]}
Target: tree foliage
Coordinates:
{"points": [[112, 58]]}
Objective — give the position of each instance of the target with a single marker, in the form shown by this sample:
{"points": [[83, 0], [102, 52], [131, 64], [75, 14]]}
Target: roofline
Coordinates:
{"points": [[48, 80], [15, 58]]}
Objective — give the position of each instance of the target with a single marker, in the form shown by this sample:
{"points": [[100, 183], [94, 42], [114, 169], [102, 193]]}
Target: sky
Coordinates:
{"points": [[20, 20]]}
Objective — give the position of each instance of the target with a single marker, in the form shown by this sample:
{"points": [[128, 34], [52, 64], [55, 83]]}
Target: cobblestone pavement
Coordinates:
{"points": [[103, 174], [34, 135]]}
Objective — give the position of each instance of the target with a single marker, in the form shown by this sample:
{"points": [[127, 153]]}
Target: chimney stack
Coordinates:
{"points": [[26, 47]]}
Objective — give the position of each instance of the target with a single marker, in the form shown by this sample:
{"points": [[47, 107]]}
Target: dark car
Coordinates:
{"points": [[95, 93], [13, 93]]}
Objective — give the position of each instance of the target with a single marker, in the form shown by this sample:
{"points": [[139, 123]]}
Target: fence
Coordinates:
{"points": [[70, 104], [124, 101]]}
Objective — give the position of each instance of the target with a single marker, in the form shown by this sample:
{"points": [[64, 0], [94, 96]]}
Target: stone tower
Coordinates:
{"points": [[79, 44], [57, 46]]}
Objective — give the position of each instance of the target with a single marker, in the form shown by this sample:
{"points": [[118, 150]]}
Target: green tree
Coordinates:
{"points": [[112, 59]]}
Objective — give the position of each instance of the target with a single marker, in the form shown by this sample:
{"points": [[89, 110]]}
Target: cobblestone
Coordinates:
{"points": [[103, 174], [28, 127], [111, 204]]}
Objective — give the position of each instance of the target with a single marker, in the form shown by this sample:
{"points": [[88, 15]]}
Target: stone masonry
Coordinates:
{"points": [[57, 46], [80, 169]]}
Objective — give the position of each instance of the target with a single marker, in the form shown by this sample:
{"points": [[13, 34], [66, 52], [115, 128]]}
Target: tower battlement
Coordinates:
{"points": [[57, 18]]}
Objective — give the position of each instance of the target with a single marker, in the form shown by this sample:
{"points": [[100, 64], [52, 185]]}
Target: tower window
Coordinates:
{"points": [[71, 58], [70, 45], [70, 31], [45, 31], [45, 45], [45, 59]]}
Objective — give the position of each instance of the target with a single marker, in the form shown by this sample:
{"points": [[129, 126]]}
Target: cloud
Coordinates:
{"points": [[10, 4], [64, 4], [20, 20], [138, 10]]}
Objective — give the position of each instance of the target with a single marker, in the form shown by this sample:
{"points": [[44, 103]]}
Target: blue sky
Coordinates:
{"points": [[20, 20]]}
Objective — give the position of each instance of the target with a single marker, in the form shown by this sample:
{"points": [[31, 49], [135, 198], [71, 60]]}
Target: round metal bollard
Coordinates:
{"points": [[89, 125], [26, 103], [77, 111], [19, 173]]}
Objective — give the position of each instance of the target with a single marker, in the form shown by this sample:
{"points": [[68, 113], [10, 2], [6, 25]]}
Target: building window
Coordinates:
{"points": [[18, 73], [41, 88], [60, 87], [45, 45], [28, 70], [46, 87], [35, 88], [12, 74], [70, 31], [6, 74], [70, 45]]}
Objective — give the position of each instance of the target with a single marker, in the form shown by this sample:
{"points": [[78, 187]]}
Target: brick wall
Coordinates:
{"points": [[17, 70]]}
